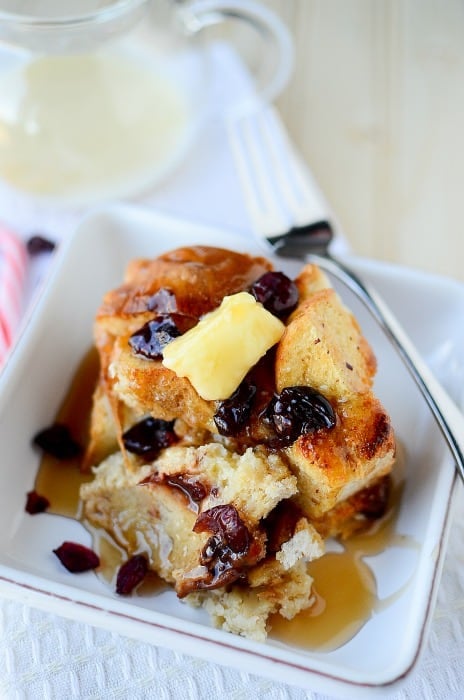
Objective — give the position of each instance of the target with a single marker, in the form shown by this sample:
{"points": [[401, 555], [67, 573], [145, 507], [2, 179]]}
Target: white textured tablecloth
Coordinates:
{"points": [[45, 656]]}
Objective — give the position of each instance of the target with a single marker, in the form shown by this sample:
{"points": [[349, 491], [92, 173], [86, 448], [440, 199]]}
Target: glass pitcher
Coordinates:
{"points": [[102, 98]]}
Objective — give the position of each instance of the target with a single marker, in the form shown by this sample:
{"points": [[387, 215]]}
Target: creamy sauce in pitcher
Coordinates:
{"points": [[81, 127]]}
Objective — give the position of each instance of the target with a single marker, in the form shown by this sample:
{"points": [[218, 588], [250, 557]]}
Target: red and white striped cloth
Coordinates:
{"points": [[13, 263]]}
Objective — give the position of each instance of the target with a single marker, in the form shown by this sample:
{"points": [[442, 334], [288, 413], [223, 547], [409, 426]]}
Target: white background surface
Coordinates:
{"points": [[43, 656]]}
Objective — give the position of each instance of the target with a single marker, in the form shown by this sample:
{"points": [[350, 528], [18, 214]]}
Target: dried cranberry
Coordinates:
{"points": [[150, 340], [58, 442], [36, 503], [149, 436], [163, 301], [233, 413], [193, 489], [372, 502], [225, 550], [280, 524], [190, 486], [131, 573], [276, 292], [225, 522], [299, 410], [39, 244], [77, 558]]}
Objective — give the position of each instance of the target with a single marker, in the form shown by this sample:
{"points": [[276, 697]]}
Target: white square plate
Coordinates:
{"points": [[35, 379]]}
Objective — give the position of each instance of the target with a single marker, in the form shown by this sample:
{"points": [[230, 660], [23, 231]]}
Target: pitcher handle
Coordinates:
{"points": [[200, 14]]}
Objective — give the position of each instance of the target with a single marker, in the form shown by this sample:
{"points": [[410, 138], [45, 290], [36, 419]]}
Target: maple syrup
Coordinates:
{"points": [[60, 480], [344, 588], [112, 557], [345, 596]]}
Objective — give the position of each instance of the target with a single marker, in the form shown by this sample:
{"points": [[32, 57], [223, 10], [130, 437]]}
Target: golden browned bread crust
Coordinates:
{"points": [[323, 347], [198, 277], [150, 388], [331, 467]]}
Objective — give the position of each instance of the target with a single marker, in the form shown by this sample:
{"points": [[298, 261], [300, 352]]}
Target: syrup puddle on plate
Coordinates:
{"points": [[111, 558], [60, 480], [345, 589]]}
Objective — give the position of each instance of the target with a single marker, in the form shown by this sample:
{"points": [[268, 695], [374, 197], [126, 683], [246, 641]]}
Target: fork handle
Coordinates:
{"points": [[447, 415]]}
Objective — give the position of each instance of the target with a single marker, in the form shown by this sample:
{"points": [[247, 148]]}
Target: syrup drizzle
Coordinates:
{"points": [[344, 589], [60, 480]]}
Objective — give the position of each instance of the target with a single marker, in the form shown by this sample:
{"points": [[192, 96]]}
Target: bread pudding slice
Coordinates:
{"points": [[229, 497], [200, 515]]}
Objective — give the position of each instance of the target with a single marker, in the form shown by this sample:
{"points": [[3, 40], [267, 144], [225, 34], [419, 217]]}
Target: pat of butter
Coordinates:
{"points": [[216, 354]]}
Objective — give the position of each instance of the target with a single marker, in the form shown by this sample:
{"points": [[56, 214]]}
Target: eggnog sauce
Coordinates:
{"points": [[344, 588], [89, 125]]}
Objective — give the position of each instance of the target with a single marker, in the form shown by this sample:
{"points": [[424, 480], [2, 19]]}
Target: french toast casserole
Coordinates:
{"points": [[234, 429]]}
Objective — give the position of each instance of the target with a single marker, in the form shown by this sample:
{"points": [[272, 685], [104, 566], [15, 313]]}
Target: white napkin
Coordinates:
{"points": [[48, 657]]}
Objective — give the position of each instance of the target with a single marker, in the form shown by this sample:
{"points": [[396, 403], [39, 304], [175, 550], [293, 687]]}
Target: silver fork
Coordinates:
{"points": [[287, 211]]}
